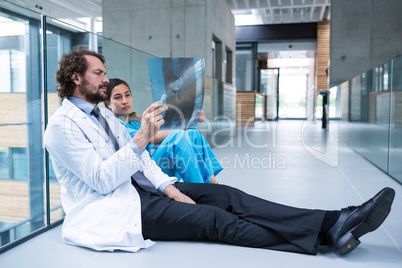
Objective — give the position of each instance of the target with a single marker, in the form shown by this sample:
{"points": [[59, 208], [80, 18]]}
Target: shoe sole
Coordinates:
{"points": [[348, 242]]}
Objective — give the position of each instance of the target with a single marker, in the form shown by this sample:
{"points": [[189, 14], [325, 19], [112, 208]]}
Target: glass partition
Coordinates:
{"points": [[130, 65], [371, 112], [29, 191], [58, 40], [395, 143], [22, 199]]}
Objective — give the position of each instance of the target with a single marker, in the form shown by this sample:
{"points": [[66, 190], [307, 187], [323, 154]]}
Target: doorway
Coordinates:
{"points": [[292, 94], [269, 89], [295, 86]]}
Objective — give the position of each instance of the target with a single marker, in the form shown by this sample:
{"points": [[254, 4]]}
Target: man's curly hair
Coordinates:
{"points": [[73, 62]]}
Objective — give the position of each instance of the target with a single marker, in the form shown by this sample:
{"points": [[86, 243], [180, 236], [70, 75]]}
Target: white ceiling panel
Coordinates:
{"points": [[283, 11], [268, 11]]}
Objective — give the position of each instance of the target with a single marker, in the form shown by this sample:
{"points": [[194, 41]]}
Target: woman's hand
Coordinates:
{"points": [[202, 116], [151, 121]]}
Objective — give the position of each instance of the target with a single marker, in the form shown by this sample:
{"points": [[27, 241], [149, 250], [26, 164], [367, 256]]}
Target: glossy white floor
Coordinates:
{"points": [[292, 162]]}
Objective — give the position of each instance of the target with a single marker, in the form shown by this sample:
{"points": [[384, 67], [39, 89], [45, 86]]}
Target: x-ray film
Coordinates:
{"points": [[179, 83]]}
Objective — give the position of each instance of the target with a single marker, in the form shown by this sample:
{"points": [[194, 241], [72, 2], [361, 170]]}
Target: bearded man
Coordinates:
{"points": [[117, 198]]}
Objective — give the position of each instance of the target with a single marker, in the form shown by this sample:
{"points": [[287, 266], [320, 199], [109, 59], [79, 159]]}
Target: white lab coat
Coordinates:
{"points": [[103, 209]]}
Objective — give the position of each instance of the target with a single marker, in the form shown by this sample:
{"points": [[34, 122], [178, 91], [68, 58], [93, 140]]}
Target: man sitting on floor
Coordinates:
{"points": [[104, 173]]}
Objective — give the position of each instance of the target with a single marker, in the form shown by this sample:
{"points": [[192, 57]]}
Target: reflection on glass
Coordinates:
{"points": [[373, 109], [395, 143], [371, 116], [22, 199], [375, 116], [130, 65]]}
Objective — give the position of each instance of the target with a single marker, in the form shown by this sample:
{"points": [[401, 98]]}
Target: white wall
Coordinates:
{"points": [[364, 34], [170, 28]]}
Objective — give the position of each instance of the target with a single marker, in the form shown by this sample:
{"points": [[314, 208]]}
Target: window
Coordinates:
{"points": [[21, 123], [13, 164], [4, 163], [19, 164], [245, 67], [12, 54]]}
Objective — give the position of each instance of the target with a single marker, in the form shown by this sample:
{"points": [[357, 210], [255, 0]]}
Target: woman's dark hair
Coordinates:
{"points": [[73, 62], [114, 82]]}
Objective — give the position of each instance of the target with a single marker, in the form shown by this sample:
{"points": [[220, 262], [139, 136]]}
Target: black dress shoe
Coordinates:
{"points": [[355, 222]]}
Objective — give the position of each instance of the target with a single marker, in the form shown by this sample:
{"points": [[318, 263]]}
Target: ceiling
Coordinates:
{"points": [[61, 9], [247, 12], [279, 11]]}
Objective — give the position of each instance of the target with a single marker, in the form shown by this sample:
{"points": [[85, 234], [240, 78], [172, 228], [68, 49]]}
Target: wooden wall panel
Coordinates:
{"points": [[13, 108], [322, 58], [209, 98], [14, 197], [14, 111], [245, 108]]}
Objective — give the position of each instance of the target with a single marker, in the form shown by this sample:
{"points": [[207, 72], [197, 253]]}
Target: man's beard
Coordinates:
{"points": [[92, 93]]}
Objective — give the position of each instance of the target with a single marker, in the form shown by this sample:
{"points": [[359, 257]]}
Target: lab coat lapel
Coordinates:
{"points": [[117, 128], [92, 132]]}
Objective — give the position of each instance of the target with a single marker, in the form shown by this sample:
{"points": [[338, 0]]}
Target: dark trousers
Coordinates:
{"points": [[225, 214]]}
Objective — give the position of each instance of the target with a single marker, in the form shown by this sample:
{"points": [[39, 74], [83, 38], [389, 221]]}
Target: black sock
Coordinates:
{"points": [[330, 218]]}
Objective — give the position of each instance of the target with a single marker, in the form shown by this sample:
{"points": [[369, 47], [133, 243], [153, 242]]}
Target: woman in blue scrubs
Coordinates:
{"points": [[184, 154]]}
